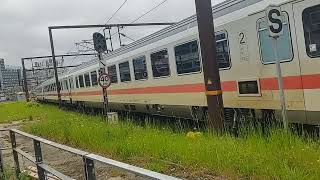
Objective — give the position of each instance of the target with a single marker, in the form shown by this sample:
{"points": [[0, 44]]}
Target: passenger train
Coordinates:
{"points": [[161, 74]]}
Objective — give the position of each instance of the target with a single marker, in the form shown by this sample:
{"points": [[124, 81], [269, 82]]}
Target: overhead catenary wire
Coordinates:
{"points": [[141, 16], [135, 20], [116, 11], [152, 9], [110, 18], [113, 15]]}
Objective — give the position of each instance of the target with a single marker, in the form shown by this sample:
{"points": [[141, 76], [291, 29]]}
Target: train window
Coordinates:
{"points": [[87, 80], [311, 26], [266, 42], [94, 78], [71, 83], [112, 71], [77, 82], [222, 50], [187, 57], [66, 84], [140, 68], [124, 69], [81, 83], [160, 64]]}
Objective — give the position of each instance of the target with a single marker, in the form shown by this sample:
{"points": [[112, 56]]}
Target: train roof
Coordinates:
{"points": [[219, 10]]}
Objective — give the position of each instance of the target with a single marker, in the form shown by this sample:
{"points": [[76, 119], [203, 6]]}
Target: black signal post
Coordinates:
{"points": [[210, 65]]}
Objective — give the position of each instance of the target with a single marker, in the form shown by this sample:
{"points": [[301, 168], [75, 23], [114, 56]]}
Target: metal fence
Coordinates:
{"points": [[88, 160]]}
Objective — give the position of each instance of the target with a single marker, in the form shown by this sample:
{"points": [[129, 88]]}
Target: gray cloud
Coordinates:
{"points": [[23, 23]]}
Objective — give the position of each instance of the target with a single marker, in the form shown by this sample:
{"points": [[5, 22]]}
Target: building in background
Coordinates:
{"points": [[10, 80]]}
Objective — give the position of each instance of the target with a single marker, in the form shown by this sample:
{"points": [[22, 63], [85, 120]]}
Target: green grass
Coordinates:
{"points": [[19, 111], [281, 156]]}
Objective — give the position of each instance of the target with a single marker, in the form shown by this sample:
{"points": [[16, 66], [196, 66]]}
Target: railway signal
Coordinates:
{"points": [[99, 41], [275, 27]]}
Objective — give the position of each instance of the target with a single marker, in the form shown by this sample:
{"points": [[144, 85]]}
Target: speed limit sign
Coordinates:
{"points": [[104, 80]]}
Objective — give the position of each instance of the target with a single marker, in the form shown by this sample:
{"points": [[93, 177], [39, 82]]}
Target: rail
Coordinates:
{"points": [[88, 160]]}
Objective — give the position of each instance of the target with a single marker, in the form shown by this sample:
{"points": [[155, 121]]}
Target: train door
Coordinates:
{"points": [[307, 26]]}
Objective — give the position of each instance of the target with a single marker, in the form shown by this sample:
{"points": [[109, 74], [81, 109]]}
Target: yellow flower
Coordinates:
{"points": [[191, 135], [194, 135]]}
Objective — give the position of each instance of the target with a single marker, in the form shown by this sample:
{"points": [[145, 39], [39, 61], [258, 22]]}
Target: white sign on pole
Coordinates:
{"points": [[275, 27], [274, 18]]}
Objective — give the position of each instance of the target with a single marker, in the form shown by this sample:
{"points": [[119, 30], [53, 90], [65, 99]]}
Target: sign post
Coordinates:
{"points": [[275, 27], [100, 45], [105, 82]]}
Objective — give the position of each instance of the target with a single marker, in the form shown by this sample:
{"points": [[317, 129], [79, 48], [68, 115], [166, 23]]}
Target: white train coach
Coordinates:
{"points": [[162, 74]]}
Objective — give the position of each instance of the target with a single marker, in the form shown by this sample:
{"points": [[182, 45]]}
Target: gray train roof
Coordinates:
{"points": [[218, 10]]}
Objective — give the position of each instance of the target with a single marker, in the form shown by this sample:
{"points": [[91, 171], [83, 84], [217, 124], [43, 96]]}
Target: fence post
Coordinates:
{"points": [[1, 163], [89, 168], [14, 152], [38, 155]]}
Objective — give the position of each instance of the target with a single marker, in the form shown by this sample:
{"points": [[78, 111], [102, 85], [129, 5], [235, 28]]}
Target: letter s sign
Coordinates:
{"points": [[273, 15]]}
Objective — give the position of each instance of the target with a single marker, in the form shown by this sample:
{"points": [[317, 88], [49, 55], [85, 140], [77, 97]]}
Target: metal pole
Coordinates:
{"points": [[110, 37], [210, 65], [104, 90], [38, 156], [1, 162], [25, 83], [55, 67], [119, 36], [280, 85], [104, 34], [89, 169], [14, 152]]}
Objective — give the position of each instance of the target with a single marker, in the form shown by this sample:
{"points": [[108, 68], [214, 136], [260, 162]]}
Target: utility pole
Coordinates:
{"points": [[210, 65], [55, 67], [25, 80]]}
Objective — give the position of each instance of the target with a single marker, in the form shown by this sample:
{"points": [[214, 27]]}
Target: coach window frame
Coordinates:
{"points": [[127, 61], [156, 51], [133, 67], [65, 82], [71, 82], [290, 38], [116, 75], [96, 81], [83, 86], [85, 80], [199, 53], [229, 48], [77, 82], [304, 32]]}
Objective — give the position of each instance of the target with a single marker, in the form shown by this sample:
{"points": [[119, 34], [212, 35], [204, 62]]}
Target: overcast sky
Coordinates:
{"points": [[24, 32]]}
